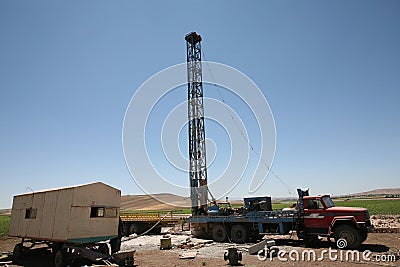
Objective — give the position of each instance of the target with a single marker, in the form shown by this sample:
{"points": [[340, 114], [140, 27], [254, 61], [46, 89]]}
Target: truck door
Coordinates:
{"points": [[314, 217]]}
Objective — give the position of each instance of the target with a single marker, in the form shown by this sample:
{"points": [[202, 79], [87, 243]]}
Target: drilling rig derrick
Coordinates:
{"points": [[197, 142]]}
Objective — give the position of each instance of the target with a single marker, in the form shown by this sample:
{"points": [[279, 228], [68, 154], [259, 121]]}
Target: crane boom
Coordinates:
{"points": [[197, 144]]}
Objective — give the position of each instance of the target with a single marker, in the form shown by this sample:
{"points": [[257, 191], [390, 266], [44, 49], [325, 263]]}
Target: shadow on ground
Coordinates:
{"points": [[42, 257]]}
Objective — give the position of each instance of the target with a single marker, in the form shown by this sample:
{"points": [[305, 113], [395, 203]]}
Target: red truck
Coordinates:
{"points": [[320, 217], [314, 217]]}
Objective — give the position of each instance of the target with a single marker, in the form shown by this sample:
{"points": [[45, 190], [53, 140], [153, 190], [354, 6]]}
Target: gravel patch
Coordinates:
{"points": [[181, 243]]}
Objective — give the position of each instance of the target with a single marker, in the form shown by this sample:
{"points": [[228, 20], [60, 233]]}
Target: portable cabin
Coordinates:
{"points": [[85, 213]]}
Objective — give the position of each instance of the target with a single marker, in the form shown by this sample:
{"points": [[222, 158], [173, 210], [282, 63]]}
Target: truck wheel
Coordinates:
{"points": [[350, 234], [125, 229], [136, 228], [132, 229], [198, 230], [239, 234], [219, 233], [363, 235], [18, 254], [59, 258]]}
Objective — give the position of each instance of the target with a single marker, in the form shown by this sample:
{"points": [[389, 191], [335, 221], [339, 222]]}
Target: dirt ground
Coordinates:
{"points": [[384, 251]]}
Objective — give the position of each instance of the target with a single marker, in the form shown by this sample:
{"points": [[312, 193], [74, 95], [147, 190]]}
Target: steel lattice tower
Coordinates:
{"points": [[197, 145]]}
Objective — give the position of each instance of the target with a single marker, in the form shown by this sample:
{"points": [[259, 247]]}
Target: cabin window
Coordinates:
{"points": [[96, 212], [111, 212], [104, 212], [30, 213]]}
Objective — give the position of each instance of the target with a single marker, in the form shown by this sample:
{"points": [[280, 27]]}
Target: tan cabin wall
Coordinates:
{"points": [[65, 213], [96, 194], [18, 224], [62, 216], [91, 227]]}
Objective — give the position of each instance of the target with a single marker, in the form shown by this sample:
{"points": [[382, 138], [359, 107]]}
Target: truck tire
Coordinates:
{"points": [[198, 230], [363, 235], [136, 228], [125, 229], [350, 234], [219, 233], [239, 234], [132, 229]]}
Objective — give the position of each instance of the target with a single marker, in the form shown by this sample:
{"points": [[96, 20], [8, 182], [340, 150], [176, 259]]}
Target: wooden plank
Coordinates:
{"points": [[188, 255], [49, 215], [14, 222], [63, 198], [26, 202], [34, 224], [254, 249]]}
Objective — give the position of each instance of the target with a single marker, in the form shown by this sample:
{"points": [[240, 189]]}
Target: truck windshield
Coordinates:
{"points": [[328, 202]]}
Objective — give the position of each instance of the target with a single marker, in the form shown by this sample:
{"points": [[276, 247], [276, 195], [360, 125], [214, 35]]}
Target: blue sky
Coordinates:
{"points": [[330, 71]]}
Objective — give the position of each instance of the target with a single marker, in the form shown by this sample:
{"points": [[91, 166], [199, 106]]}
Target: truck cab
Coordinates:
{"points": [[323, 218]]}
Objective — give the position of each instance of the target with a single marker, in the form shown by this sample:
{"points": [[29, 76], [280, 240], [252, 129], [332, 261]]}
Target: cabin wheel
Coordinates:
{"points": [[60, 258], [18, 253], [103, 248]]}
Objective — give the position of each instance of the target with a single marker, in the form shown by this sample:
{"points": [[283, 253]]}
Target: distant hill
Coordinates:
{"points": [[158, 201], [154, 202], [379, 192], [5, 212]]}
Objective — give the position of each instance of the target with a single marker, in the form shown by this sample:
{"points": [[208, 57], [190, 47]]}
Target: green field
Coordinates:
{"points": [[4, 225], [375, 206]]}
